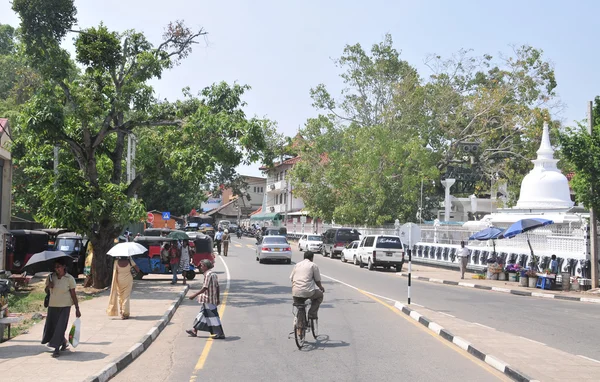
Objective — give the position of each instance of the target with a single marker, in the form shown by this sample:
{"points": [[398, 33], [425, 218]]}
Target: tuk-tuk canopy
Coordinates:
{"points": [[156, 231], [69, 235]]}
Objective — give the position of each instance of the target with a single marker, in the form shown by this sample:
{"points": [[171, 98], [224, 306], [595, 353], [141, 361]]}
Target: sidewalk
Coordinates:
{"points": [[107, 344], [452, 277], [515, 356]]}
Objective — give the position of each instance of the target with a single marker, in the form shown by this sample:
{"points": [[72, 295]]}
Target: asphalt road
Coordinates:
{"points": [[565, 325], [361, 338]]}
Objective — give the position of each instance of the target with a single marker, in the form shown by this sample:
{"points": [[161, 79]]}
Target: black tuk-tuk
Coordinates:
{"points": [[157, 231], [72, 244], [21, 245]]}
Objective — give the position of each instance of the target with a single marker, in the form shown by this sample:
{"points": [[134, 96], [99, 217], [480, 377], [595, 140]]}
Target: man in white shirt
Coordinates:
{"points": [[306, 283], [463, 257], [219, 239]]}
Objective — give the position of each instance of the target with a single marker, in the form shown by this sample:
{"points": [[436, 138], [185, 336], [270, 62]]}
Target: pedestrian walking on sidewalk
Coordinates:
{"points": [[61, 286], [463, 257], [226, 238], [120, 288], [208, 319]]}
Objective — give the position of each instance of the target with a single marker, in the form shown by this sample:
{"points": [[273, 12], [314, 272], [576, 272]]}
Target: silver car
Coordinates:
{"points": [[274, 248]]}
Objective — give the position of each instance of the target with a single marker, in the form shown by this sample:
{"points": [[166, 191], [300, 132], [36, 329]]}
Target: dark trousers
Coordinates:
{"points": [[218, 242], [316, 300]]}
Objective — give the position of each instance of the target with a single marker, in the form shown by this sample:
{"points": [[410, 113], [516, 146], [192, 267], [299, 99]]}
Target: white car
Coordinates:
{"points": [[381, 251], [274, 248], [349, 253], [311, 243]]}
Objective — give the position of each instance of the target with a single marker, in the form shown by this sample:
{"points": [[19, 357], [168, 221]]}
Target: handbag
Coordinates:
{"points": [[47, 298]]}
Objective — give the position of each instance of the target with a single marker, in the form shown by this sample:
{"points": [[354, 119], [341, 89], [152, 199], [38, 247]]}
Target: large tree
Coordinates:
{"points": [[87, 106], [582, 150], [394, 129]]}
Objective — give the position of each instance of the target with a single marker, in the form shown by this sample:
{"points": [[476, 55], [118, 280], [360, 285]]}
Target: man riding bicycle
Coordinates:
{"points": [[306, 284]]}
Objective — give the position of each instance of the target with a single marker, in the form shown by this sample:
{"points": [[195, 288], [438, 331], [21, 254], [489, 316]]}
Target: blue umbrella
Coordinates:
{"points": [[523, 226], [486, 234], [205, 225]]}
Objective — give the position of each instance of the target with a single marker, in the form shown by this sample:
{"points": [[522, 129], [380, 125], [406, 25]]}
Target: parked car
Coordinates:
{"points": [[311, 243], [274, 248], [335, 240], [381, 250], [349, 253]]}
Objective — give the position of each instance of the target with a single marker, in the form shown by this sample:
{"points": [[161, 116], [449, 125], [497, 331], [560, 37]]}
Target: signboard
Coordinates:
{"points": [[166, 215], [150, 217]]}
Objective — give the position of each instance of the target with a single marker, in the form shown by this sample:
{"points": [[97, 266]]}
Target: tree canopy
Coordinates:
{"points": [[87, 106], [391, 130]]}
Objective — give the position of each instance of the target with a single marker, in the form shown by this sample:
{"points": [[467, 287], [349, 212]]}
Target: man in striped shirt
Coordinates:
{"points": [[209, 298]]}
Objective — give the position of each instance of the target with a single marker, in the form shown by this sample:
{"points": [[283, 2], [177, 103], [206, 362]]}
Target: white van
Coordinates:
{"points": [[381, 251]]}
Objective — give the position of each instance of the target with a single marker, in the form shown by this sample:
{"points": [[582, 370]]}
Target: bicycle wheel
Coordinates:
{"points": [[299, 334], [314, 327]]}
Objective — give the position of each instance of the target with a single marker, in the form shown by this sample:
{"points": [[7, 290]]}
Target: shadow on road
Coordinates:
{"points": [[323, 341]]}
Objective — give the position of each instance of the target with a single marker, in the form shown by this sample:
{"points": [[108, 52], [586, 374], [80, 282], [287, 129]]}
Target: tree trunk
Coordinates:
{"points": [[102, 242]]}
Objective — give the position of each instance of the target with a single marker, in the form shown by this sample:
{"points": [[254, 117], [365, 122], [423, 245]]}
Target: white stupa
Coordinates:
{"points": [[545, 187]]}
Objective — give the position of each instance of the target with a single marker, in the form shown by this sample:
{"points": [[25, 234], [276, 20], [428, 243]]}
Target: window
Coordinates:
{"points": [[369, 241], [262, 190], [255, 190], [389, 242]]}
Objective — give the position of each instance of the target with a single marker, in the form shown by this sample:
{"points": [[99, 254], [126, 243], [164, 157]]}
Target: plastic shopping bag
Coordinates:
{"points": [[75, 332]]}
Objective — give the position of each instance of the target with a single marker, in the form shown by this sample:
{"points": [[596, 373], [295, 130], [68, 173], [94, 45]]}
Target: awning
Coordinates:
{"points": [[263, 217], [299, 213]]}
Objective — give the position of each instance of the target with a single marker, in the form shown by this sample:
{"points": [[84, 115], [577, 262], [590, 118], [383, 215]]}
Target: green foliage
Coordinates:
{"points": [[390, 129], [89, 109], [582, 151]]}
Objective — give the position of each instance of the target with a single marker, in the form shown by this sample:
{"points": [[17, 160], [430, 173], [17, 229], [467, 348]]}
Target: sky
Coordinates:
{"points": [[283, 48]]}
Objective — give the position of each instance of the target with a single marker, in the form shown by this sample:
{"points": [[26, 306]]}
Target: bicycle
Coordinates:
{"points": [[300, 323]]}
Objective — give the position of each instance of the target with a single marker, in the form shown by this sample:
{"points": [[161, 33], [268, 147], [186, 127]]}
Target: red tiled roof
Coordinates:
{"points": [[291, 161], [258, 211]]}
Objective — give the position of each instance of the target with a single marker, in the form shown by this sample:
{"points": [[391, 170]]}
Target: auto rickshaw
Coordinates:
{"points": [[52, 235], [156, 231], [71, 244], [151, 263], [23, 244], [203, 250]]}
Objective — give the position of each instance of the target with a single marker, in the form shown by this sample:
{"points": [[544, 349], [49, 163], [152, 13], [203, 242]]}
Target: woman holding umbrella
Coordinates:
{"points": [[122, 280], [61, 286]]}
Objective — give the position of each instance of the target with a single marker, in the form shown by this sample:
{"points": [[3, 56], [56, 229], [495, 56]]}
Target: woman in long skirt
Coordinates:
{"points": [[121, 286], [209, 298], [184, 262], [61, 286]]}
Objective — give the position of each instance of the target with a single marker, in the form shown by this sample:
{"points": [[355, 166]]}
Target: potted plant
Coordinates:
{"points": [[532, 278], [513, 270], [523, 279]]}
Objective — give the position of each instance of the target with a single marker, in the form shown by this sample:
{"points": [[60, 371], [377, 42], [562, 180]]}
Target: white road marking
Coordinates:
{"points": [[483, 326], [446, 314], [530, 340], [355, 288], [419, 305], [588, 358]]}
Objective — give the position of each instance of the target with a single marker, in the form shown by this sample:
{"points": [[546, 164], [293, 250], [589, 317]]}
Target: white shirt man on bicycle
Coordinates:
{"points": [[306, 284]]}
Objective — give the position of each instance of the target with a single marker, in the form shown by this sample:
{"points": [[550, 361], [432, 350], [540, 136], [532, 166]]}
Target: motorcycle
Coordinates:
{"points": [[239, 234]]}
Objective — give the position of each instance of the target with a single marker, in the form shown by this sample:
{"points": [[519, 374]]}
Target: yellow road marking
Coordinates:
{"points": [[209, 341], [238, 245], [449, 345], [250, 246]]}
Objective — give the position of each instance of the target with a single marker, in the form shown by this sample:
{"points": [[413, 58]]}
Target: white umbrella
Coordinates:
{"points": [[127, 249]]}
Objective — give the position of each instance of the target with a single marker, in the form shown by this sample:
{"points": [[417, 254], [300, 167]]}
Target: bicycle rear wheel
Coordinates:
{"points": [[314, 327], [299, 334]]}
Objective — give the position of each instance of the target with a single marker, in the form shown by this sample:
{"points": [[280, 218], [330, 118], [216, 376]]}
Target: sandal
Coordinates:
{"points": [[191, 333], [64, 346], [55, 353]]}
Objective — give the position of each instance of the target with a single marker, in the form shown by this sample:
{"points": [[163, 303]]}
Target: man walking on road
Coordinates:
{"points": [[463, 257], [225, 239], [306, 283], [218, 239]]}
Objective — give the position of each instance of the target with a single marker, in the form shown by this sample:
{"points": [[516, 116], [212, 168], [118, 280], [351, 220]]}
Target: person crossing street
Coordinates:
{"points": [[218, 239]]}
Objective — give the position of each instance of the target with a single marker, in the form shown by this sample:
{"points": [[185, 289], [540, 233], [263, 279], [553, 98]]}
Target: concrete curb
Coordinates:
{"points": [[497, 364], [125, 359], [504, 290]]}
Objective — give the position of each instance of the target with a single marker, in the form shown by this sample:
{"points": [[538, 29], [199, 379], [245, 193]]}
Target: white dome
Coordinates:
{"points": [[545, 186]]}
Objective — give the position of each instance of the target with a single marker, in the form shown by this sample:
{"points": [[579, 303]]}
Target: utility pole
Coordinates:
{"points": [[593, 224]]}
